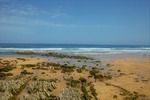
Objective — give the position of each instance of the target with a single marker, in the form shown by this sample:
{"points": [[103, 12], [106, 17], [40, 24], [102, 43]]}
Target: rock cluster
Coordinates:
{"points": [[38, 90], [60, 55], [69, 94], [9, 88], [26, 53]]}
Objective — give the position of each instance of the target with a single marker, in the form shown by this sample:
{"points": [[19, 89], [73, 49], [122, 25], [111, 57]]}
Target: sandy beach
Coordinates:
{"points": [[74, 50], [130, 76]]}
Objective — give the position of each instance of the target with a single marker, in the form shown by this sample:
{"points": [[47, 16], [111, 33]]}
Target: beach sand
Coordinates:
{"points": [[132, 74], [129, 74]]}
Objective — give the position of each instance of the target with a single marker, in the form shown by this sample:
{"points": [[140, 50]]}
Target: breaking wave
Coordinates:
{"points": [[79, 50]]}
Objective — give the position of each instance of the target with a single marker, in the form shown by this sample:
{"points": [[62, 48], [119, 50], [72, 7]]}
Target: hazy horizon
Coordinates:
{"points": [[75, 44]]}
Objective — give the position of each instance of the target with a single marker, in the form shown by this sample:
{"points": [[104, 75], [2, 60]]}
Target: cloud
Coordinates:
{"points": [[57, 13], [16, 20], [21, 10], [78, 26], [22, 18]]}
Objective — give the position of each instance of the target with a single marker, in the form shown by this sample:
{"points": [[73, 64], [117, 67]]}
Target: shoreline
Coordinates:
{"points": [[129, 75], [93, 55]]}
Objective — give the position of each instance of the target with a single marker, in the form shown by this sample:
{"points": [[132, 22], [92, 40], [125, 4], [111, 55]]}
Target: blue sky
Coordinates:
{"points": [[75, 21]]}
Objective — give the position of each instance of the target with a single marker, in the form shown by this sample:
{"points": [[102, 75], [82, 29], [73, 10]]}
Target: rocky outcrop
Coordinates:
{"points": [[60, 55], [69, 94], [22, 87], [10, 88], [26, 53], [38, 90], [5, 95]]}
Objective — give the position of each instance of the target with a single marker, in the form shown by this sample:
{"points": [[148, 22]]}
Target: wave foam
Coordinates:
{"points": [[29, 49], [79, 50]]}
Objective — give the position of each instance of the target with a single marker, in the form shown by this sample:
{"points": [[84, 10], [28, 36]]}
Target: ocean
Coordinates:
{"points": [[98, 52], [6, 48]]}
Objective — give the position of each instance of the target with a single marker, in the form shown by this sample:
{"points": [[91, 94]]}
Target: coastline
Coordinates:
{"points": [[74, 50], [130, 74]]}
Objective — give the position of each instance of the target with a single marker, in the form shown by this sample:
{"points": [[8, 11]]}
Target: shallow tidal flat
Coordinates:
{"points": [[74, 78]]}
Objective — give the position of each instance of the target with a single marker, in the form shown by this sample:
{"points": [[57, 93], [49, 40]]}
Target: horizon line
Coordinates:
{"points": [[82, 44]]}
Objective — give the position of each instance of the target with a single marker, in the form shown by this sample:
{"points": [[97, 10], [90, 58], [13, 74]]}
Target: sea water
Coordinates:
{"points": [[6, 48], [98, 52]]}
